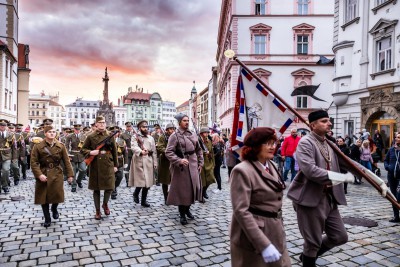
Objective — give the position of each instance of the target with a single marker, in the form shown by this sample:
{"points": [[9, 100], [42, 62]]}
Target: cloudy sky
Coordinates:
{"points": [[160, 45]]}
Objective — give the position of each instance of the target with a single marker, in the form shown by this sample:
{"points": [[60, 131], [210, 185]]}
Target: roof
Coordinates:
{"points": [[186, 103], [54, 103], [138, 96]]}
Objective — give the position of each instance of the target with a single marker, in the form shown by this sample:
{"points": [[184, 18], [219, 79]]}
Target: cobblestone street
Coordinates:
{"points": [[138, 236]]}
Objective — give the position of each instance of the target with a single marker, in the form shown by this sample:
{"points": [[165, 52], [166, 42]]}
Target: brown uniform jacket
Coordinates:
{"points": [[186, 185], [164, 175], [101, 170], [7, 148], [307, 188], [250, 234], [72, 143], [19, 143], [127, 136], [51, 191], [207, 173]]}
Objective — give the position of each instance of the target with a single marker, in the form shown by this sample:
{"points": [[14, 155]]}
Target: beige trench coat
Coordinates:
{"points": [[141, 173], [250, 234]]}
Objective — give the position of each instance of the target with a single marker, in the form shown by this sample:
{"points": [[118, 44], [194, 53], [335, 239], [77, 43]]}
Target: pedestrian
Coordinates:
{"points": [[315, 197], [355, 153], [122, 153], [257, 233], [164, 173], [186, 160], [144, 163], [127, 136], [231, 160], [104, 165], [46, 168], [392, 165], [207, 172], [346, 151], [218, 150], [225, 139], [365, 156], [288, 148], [74, 142]]}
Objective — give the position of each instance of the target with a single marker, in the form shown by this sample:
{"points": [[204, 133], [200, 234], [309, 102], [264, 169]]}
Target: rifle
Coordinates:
{"points": [[141, 144], [202, 145], [90, 158]]}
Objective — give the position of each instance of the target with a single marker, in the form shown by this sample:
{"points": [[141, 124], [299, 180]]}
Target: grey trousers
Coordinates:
{"points": [[313, 222]]}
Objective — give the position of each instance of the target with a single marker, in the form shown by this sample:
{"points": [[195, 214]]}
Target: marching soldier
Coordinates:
{"points": [[20, 144], [40, 133], [164, 175], [144, 162], [46, 158], [104, 165], [7, 153], [122, 160], [127, 136], [156, 135], [14, 169], [74, 143], [207, 173]]}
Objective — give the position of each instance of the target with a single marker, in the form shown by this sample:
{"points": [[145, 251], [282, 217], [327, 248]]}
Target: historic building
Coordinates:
{"points": [[23, 84], [168, 113], [203, 108], [81, 112], [281, 41], [367, 67], [42, 106], [183, 108], [106, 106], [120, 115]]}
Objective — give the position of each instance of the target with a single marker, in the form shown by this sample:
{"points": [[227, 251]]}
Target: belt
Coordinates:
{"points": [[189, 152], [51, 165], [76, 151], [102, 152], [267, 214]]}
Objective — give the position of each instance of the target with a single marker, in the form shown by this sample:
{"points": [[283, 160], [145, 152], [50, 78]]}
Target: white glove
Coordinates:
{"points": [[338, 178], [378, 180], [271, 254], [125, 166]]}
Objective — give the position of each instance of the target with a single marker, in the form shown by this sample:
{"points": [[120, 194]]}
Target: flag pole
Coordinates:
{"points": [[347, 160]]}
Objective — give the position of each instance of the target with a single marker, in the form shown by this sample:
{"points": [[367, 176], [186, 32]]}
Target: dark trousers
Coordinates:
{"points": [[23, 164], [393, 184], [217, 174], [127, 171]]}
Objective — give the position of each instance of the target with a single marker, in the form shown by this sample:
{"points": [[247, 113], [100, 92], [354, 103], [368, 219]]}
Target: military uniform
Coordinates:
{"points": [[7, 153], [19, 143], [122, 162], [207, 173], [74, 143], [164, 174], [127, 136]]}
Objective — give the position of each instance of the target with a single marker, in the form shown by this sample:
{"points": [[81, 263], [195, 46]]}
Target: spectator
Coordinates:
{"points": [[365, 157], [347, 140], [345, 150], [224, 157], [231, 160], [288, 148], [355, 154], [218, 149]]}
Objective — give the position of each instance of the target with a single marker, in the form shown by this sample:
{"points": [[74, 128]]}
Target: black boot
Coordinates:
{"points": [[205, 192], [144, 198], [308, 261], [54, 210], [46, 213], [136, 195], [322, 250], [182, 216], [188, 213], [114, 194], [165, 192]]}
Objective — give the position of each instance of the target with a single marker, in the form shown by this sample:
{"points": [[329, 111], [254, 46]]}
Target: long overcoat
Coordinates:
{"points": [[141, 173], [101, 170], [207, 172], [186, 185], [51, 191], [164, 175], [250, 234]]}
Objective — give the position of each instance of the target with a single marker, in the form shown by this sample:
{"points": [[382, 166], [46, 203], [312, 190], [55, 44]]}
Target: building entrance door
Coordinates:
{"points": [[386, 125]]}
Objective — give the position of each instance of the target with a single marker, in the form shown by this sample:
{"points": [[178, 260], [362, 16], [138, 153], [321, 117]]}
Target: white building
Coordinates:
{"points": [[281, 42], [367, 68], [8, 59], [57, 113], [45, 106], [168, 113], [81, 112], [120, 115]]}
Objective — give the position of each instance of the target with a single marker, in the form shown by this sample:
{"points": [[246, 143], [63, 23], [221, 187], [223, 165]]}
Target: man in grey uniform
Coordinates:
{"points": [[316, 192]]}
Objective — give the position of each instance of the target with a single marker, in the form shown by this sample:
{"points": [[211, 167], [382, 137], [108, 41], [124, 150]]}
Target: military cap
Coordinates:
{"points": [[156, 125], [86, 129], [41, 125], [170, 125], [259, 136], [114, 128], [180, 116], [204, 130], [100, 118], [128, 124], [48, 128], [140, 123], [77, 126], [93, 124], [19, 126], [47, 121], [316, 115], [3, 122], [68, 130], [11, 125]]}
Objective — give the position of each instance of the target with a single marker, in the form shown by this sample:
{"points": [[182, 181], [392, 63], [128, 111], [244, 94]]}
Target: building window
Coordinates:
{"points": [[384, 54], [349, 128], [260, 44], [302, 7], [301, 102], [351, 10], [380, 2], [260, 7], [5, 99], [7, 68], [302, 44]]}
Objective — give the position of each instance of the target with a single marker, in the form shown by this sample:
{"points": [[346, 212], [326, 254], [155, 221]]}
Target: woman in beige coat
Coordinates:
{"points": [[257, 233]]}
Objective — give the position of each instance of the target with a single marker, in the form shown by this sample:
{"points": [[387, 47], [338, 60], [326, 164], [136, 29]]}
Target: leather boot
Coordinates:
{"points": [[182, 217], [188, 213], [54, 210], [114, 194], [136, 195], [322, 250], [46, 213], [308, 261], [144, 198], [98, 214], [106, 209], [165, 192]]}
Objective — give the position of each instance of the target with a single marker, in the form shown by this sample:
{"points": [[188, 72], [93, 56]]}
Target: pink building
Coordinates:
{"points": [[281, 41]]}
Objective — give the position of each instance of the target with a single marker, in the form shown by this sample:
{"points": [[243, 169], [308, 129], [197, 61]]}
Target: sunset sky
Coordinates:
{"points": [[160, 45]]}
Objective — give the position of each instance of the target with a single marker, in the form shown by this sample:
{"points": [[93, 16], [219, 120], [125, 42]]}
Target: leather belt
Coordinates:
{"points": [[189, 152], [51, 165], [268, 214]]}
